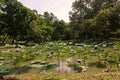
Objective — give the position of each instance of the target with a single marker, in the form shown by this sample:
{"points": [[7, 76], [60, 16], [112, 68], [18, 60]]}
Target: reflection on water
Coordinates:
{"points": [[63, 68]]}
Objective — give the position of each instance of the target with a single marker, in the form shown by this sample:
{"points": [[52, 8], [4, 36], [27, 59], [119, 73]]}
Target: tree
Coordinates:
{"points": [[88, 29], [115, 17], [59, 30], [2, 22], [97, 5], [107, 21], [49, 18], [102, 16], [1, 17], [103, 24], [58, 26], [24, 24], [80, 12], [18, 19]]}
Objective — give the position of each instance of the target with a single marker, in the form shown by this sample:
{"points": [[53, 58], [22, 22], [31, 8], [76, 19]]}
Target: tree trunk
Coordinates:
{"points": [[4, 38], [1, 78]]}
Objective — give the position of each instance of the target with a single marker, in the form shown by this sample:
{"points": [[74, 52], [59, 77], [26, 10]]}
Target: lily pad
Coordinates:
{"points": [[2, 58], [80, 60], [4, 71], [36, 66], [5, 51], [2, 62], [81, 68], [50, 65], [43, 62], [36, 62]]}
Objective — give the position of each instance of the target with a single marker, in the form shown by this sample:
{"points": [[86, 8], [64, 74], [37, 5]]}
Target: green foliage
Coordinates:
{"points": [[115, 18], [17, 19], [18, 58], [1, 1], [90, 19], [4, 71], [20, 23], [58, 26], [15, 59], [117, 46], [94, 18]]}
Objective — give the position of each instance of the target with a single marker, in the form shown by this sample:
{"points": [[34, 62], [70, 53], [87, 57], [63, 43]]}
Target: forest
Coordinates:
{"points": [[89, 20], [33, 43]]}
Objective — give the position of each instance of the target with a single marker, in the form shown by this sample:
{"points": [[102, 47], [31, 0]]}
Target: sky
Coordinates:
{"points": [[59, 8]]}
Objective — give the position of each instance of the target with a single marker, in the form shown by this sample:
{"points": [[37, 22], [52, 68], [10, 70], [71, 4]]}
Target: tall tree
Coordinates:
{"points": [[80, 12], [97, 10], [17, 18], [59, 30], [58, 26], [115, 17], [102, 23], [97, 5], [49, 18]]}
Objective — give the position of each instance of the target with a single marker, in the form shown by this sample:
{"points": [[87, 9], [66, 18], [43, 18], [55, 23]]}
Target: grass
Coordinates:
{"points": [[64, 76]]}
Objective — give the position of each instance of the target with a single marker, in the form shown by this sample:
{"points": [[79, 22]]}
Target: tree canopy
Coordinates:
{"points": [[89, 16], [89, 19]]}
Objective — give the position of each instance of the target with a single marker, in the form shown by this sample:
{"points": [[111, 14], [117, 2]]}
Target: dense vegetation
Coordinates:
{"points": [[68, 57], [32, 43], [89, 19]]}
